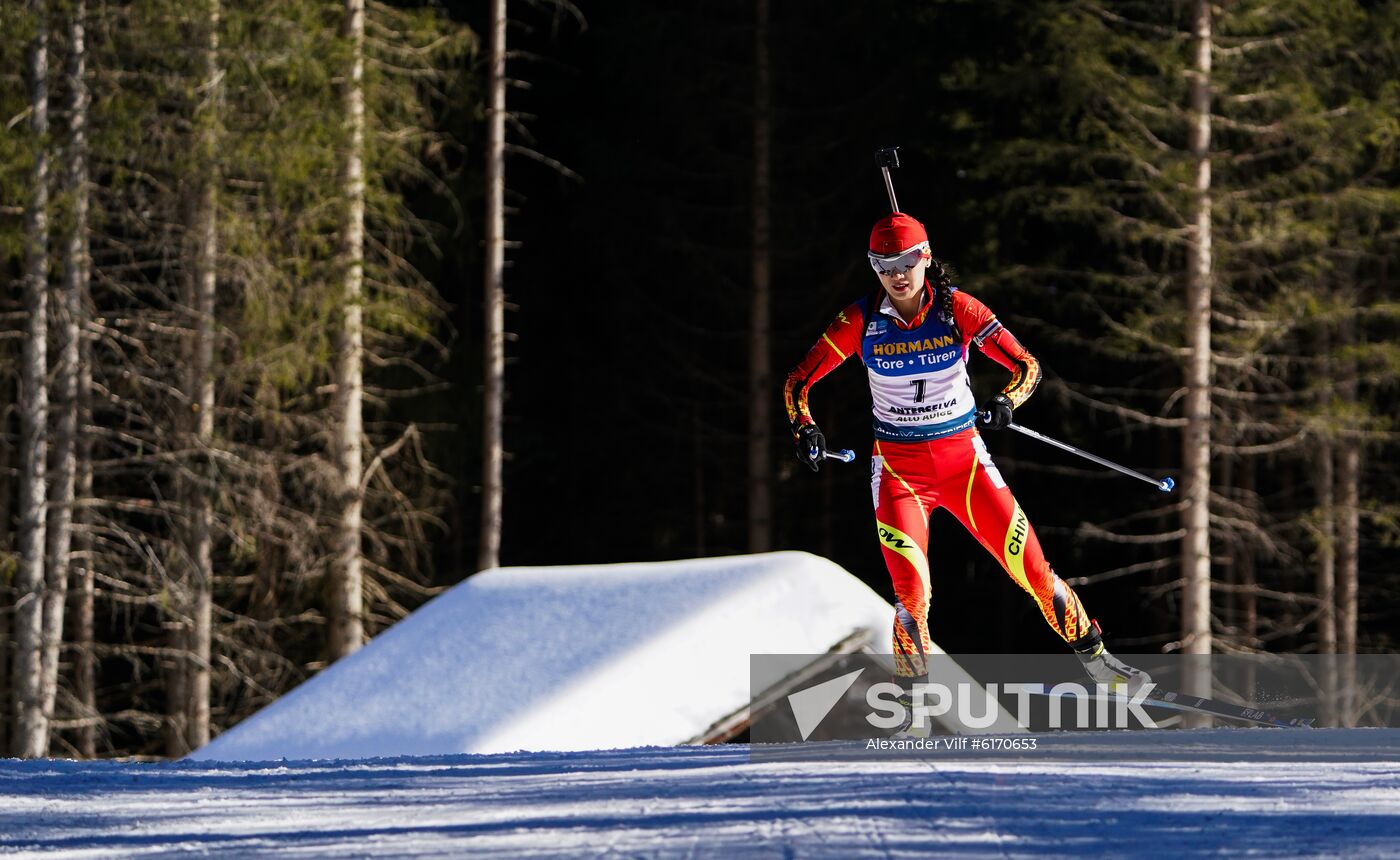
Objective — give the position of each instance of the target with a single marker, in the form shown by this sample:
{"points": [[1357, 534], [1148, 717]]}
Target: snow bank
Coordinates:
{"points": [[564, 658]]}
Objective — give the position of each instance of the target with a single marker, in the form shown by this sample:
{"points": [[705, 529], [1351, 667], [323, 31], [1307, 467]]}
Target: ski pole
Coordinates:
{"points": [[888, 158], [1166, 485], [845, 455]]}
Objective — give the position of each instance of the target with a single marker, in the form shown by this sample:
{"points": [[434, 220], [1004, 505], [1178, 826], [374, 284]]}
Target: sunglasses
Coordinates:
{"points": [[900, 262]]}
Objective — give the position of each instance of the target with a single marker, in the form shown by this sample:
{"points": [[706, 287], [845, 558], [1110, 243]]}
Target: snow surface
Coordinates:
{"points": [[565, 658], [1219, 792]]}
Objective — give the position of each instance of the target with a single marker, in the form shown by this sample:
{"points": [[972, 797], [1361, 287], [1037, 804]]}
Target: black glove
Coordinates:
{"points": [[996, 414], [811, 446]]}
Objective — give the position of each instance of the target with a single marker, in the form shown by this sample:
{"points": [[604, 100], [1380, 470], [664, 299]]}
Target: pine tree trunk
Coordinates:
{"points": [[760, 372], [5, 692], [70, 315], [1195, 550], [31, 732], [85, 672], [1327, 551], [6, 587], [201, 388], [347, 631], [1195, 554], [1326, 582], [8, 394], [494, 361], [1348, 544], [1327, 516]]}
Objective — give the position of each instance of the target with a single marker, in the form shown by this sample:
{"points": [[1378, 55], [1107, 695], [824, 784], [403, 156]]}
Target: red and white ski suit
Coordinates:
{"points": [[928, 453]]}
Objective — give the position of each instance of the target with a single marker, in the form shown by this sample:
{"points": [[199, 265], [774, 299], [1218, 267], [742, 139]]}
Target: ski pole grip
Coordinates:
{"points": [[845, 455]]}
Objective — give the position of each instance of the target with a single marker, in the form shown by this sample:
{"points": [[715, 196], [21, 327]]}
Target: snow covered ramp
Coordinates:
{"points": [[564, 658]]}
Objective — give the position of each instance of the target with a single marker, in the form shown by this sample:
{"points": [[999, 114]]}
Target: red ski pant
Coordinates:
{"points": [[908, 481]]}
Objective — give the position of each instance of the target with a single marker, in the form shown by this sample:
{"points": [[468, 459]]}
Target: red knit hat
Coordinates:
{"points": [[895, 234]]}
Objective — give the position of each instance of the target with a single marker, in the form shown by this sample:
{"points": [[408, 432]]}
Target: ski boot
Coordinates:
{"points": [[908, 730], [1104, 668]]}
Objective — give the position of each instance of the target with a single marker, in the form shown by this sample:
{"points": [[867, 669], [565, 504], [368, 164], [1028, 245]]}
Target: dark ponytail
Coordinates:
{"points": [[943, 290]]}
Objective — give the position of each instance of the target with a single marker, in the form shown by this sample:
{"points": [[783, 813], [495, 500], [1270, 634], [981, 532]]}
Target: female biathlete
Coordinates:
{"points": [[912, 336]]}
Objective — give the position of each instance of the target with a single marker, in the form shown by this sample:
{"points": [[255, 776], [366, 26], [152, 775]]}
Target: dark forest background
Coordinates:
{"points": [[633, 292], [627, 412], [1045, 146]]}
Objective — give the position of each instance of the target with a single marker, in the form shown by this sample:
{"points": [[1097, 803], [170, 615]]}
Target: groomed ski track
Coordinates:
{"points": [[1186, 794]]}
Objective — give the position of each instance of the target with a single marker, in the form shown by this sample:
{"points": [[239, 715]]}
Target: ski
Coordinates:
{"points": [[1175, 701], [1217, 708]]}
